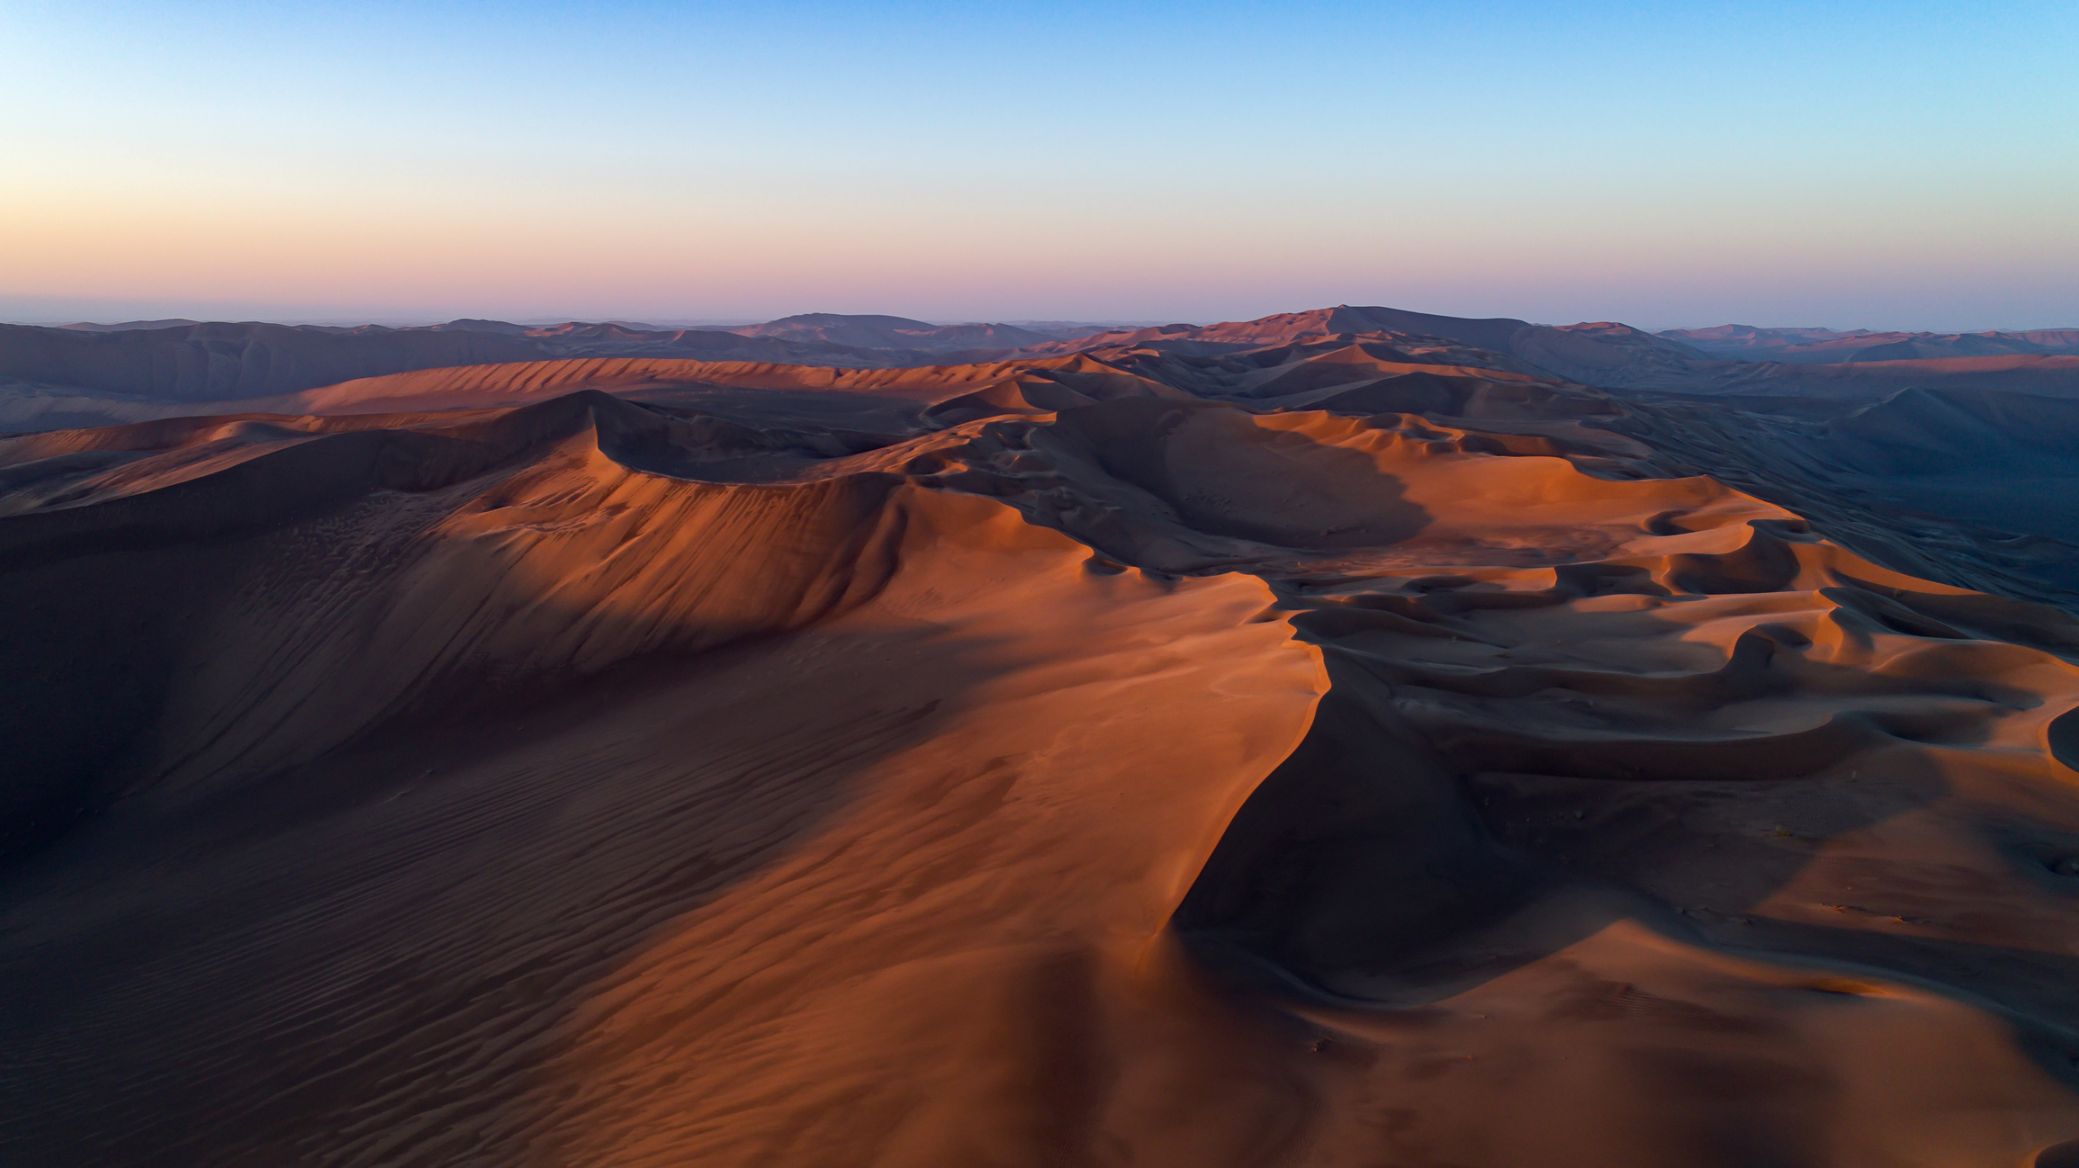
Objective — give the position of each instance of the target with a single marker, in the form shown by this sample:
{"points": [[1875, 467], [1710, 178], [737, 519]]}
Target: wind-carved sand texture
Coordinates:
{"points": [[1275, 749]]}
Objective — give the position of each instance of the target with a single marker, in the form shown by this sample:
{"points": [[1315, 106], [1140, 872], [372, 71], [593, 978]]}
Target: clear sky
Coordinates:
{"points": [[1891, 164]]}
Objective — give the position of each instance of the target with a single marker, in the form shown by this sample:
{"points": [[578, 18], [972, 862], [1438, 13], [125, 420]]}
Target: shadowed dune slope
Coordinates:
{"points": [[1321, 752], [1973, 487]]}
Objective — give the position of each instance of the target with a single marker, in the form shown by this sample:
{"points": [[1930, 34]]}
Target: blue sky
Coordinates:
{"points": [[1907, 165]]}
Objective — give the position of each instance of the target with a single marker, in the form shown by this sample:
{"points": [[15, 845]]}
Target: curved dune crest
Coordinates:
{"points": [[1293, 754]]}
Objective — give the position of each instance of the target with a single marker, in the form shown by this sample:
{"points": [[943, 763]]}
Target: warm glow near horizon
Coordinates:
{"points": [[1847, 165]]}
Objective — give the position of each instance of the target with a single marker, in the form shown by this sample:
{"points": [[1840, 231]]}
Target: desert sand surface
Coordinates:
{"points": [[1296, 744]]}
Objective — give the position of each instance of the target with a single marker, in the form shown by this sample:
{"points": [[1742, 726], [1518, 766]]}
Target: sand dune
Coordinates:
{"points": [[1973, 487], [1285, 747]]}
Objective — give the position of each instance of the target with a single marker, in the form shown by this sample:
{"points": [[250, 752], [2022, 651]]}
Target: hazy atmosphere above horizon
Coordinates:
{"points": [[1901, 165]]}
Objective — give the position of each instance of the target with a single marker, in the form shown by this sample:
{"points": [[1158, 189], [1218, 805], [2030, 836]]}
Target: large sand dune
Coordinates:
{"points": [[1296, 746]]}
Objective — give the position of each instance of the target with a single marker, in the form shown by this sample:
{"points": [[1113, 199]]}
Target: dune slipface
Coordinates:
{"points": [[1292, 749]]}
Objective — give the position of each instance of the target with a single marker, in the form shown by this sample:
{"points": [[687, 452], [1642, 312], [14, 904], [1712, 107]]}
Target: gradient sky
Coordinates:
{"points": [[1885, 164]]}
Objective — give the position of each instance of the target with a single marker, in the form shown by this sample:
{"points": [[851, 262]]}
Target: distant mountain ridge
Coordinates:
{"points": [[1822, 345], [67, 372], [87, 326], [1612, 355], [890, 332], [202, 361], [1598, 353]]}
